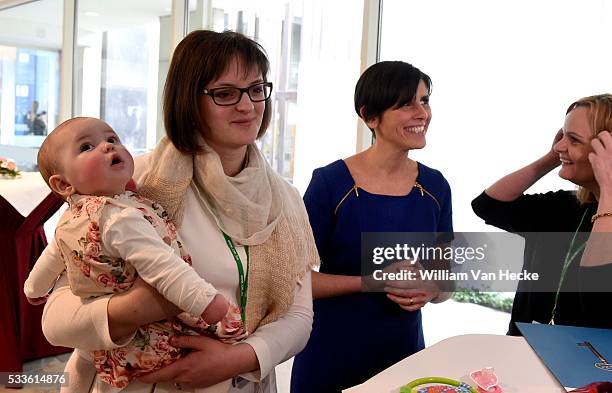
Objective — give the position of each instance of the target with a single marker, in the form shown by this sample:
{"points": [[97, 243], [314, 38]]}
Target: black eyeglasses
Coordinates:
{"points": [[225, 96]]}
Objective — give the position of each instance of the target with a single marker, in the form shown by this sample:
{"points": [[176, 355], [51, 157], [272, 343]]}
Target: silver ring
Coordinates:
{"points": [[178, 386]]}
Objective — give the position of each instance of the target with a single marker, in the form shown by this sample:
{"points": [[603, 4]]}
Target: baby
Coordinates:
{"points": [[108, 236]]}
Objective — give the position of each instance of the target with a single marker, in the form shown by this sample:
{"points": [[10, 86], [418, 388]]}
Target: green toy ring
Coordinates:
{"points": [[409, 388]]}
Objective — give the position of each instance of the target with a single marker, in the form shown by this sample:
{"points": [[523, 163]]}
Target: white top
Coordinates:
{"points": [[68, 322]]}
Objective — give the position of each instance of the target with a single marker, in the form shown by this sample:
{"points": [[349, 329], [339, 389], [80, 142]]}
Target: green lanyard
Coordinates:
{"points": [[569, 258], [242, 278]]}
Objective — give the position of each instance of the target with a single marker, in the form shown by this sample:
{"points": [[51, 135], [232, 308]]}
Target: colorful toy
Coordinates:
{"points": [[443, 385], [486, 380]]}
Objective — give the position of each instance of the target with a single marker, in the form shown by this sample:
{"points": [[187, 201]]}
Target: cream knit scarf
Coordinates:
{"points": [[255, 208]]}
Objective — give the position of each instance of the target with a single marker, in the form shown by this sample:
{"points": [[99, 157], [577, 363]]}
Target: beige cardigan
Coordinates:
{"points": [[68, 322]]}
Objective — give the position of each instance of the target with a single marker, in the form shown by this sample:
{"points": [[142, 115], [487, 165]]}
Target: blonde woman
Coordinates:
{"points": [[583, 149]]}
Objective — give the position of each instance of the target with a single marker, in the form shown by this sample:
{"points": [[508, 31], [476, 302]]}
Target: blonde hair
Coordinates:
{"points": [[599, 112]]}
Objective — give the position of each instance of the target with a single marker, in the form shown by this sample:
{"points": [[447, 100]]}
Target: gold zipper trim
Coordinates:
{"points": [[424, 191], [354, 188]]}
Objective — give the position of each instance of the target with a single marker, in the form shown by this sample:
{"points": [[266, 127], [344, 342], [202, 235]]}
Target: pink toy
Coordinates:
{"points": [[486, 380]]}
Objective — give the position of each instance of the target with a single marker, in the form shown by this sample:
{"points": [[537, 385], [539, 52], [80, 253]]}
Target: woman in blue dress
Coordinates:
{"points": [[357, 334]]}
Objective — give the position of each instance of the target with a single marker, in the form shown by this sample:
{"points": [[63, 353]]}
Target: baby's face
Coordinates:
{"points": [[93, 160]]}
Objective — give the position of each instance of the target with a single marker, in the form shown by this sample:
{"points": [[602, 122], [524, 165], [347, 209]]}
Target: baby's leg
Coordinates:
{"points": [[230, 329], [149, 351], [80, 371]]}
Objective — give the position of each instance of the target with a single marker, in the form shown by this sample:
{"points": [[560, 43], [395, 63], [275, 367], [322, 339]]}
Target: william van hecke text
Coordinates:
{"points": [[445, 275]]}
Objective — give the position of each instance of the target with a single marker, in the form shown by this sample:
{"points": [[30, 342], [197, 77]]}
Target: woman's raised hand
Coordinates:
{"points": [[599, 248], [601, 160], [552, 155], [512, 186]]}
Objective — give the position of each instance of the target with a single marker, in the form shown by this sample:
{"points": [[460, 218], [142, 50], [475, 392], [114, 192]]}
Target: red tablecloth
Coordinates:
{"points": [[21, 242]]}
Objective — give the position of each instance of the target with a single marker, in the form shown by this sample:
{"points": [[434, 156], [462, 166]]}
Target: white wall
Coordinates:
{"points": [[331, 55], [503, 75]]}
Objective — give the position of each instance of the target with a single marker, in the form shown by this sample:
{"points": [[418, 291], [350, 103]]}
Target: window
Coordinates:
{"points": [[29, 77], [314, 65], [503, 75], [117, 63]]}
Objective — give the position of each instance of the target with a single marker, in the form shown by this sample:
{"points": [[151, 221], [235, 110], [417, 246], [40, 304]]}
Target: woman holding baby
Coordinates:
{"points": [[233, 213]]}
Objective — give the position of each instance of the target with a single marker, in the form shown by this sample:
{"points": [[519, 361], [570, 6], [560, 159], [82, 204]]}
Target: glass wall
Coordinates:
{"points": [[117, 62], [121, 56], [503, 74], [29, 77], [311, 54]]}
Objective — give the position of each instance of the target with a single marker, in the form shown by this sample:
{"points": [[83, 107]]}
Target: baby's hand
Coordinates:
{"points": [[35, 301], [216, 310]]}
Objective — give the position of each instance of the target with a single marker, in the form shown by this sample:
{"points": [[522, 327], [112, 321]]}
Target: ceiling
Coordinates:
{"points": [[39, 23]]}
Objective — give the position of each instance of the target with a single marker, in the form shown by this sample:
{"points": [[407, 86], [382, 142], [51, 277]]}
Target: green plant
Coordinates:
{"points": [[492, 300]]}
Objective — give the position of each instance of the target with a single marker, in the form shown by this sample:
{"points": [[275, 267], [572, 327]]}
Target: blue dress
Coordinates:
{"points": [[356, 336]]}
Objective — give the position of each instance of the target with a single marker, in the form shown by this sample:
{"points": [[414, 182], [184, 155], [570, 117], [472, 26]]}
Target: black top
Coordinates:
{"points": [[548, 222]]}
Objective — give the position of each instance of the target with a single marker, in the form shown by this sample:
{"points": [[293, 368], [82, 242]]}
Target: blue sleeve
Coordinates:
{"points": [[317, 199], [445, 223]]}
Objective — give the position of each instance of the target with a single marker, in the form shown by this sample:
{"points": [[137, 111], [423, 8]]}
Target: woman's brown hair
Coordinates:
{"points": [[200, 58], [600, 118]]}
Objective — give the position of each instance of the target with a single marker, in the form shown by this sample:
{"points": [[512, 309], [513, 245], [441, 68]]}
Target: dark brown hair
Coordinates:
{"points": [[388, 84], [200, 58]]}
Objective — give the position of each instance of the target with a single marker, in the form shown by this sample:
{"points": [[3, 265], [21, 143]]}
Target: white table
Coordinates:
{"points": [[517, 366], [24, 193]]}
